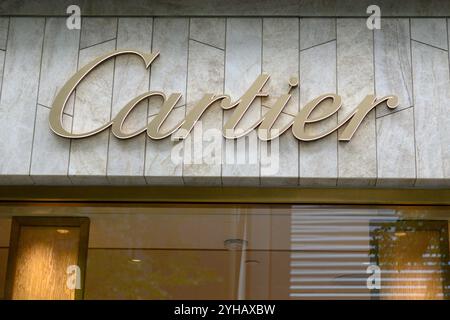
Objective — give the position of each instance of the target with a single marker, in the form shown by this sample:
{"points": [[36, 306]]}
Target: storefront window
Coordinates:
{"points": [[185, 251]]}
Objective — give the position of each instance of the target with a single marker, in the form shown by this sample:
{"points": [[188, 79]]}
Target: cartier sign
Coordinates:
{"points": [[180, 131]]}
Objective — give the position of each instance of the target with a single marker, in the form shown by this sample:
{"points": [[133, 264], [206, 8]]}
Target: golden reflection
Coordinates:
{"points": [[42, 261], [208, 252], [413, 259]]}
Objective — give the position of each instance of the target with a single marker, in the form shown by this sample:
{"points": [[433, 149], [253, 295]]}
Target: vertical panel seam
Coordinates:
{"points": [[4, 59], [448, 75], [37, 99], [337, 92], [111, 104], [186, 92], [261, 66], [374, 111], [146, 138], [74, 103], [413, 100], [299, 100], [222, 155]]}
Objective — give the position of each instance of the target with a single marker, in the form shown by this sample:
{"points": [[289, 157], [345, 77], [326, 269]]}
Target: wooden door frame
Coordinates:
{"points": [[18, 222]]}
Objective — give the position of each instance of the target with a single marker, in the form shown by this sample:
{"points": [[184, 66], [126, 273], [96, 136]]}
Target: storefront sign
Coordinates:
{"points": [[240, 107]]}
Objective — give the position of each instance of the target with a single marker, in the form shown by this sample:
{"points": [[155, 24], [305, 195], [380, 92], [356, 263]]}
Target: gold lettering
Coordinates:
{"points": [[119, 119], [265, 131], [242, 106], [153, 128], [64, 93], [357, 116], [182, 128], [195, 114], [304, 116], [353, 120]]}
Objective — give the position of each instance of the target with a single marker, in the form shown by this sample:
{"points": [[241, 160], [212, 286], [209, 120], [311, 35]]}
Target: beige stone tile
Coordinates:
{"points": [[318, 159], [19, 95], [432, 31], [88, 156], [208, 30], [97, 30], [50, 158], [242, 66], [59, 60], [164, 158], [281, 61], [168, 71], [205, 75], [131, 78], [4, 23], [431, 112], [168, 74], [279, 160], [315, 31], [393, 63], [395, 149], [2, 64], [357, 158]]}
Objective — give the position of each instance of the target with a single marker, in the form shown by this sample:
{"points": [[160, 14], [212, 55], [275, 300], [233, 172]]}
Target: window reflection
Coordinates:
{"points": [[257, 251], [413, 258]]}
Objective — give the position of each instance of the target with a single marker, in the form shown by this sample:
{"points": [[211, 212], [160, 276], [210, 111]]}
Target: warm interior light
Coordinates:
{"points": [[62, 231], [135, 260], [400, 234]]}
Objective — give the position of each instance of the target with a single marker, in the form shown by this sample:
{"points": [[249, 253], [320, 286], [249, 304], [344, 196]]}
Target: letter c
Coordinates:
{"points": [[64, 93]]}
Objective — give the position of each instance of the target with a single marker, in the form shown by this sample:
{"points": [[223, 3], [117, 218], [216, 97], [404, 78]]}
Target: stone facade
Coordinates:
{"points": [[405, 147]]}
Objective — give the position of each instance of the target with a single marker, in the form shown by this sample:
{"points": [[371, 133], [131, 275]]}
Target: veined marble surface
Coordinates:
{"points": [[405, 147]]}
